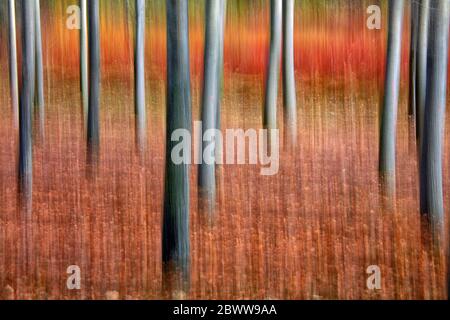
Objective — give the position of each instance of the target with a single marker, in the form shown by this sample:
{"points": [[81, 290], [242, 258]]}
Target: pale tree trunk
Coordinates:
{"points": [[422, 44], [26, 101], [93, 135], [139, 77], [210, 103], [175, 233], [84, 59], [289, 94], [432, 199], [13, 76], [270, 108], [391, 95]]}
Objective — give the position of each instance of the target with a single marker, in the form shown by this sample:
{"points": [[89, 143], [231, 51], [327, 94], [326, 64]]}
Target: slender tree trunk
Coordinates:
{"points": [[270, 109], [422, 45], [13, 76], [84, 90], [432, 199], [84, 59], [210, 103], [26, 99], [289, 94], [93, 135], [39, 94], [27, 94], [391, 95], [175, 233], [413, 59], [139, 70]]}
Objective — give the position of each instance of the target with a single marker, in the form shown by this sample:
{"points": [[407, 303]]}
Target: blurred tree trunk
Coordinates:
{"points": [[84, 59], [39, 94], [139, 78], [175, 233], [391, 95], [413, 58], [26, 100], [422, 44], [210, 103], [270, 108], [432, 199], [289, 94], [93, 135], [13, 76]]}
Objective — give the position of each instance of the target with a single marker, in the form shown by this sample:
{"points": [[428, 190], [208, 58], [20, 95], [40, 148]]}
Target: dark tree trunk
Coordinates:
{"points": [[421, 85], [175, 233], [39, 89], [26, 99], [432, 199], [93, 135], [413, 59]]}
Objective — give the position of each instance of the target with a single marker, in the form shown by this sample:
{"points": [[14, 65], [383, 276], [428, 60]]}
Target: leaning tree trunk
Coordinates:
{"points": [[139, 71], [210, 103], [93, 135], [39, 94], [289, 95], [432, 200], [84, 59], [422, 44], [270, 108], [175, 233], [413, 59], [391, 95], [26, 100], [13, 77]]}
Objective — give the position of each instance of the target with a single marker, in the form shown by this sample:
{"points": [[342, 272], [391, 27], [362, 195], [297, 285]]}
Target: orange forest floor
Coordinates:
{"points": [[309, 232]]}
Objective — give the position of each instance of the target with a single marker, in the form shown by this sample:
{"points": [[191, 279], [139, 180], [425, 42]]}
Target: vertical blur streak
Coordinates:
{"points": [[26, 101], [273, 69], [413, 58], [289, 95], [13, 77], [93, 135], [309, 232], [211, 95], [84, 59], [422, 45], [432, 200], [391, 96], [139, 69], [175, 233], [220, 65], [128, 45], [27, 92], [39, 94]]}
